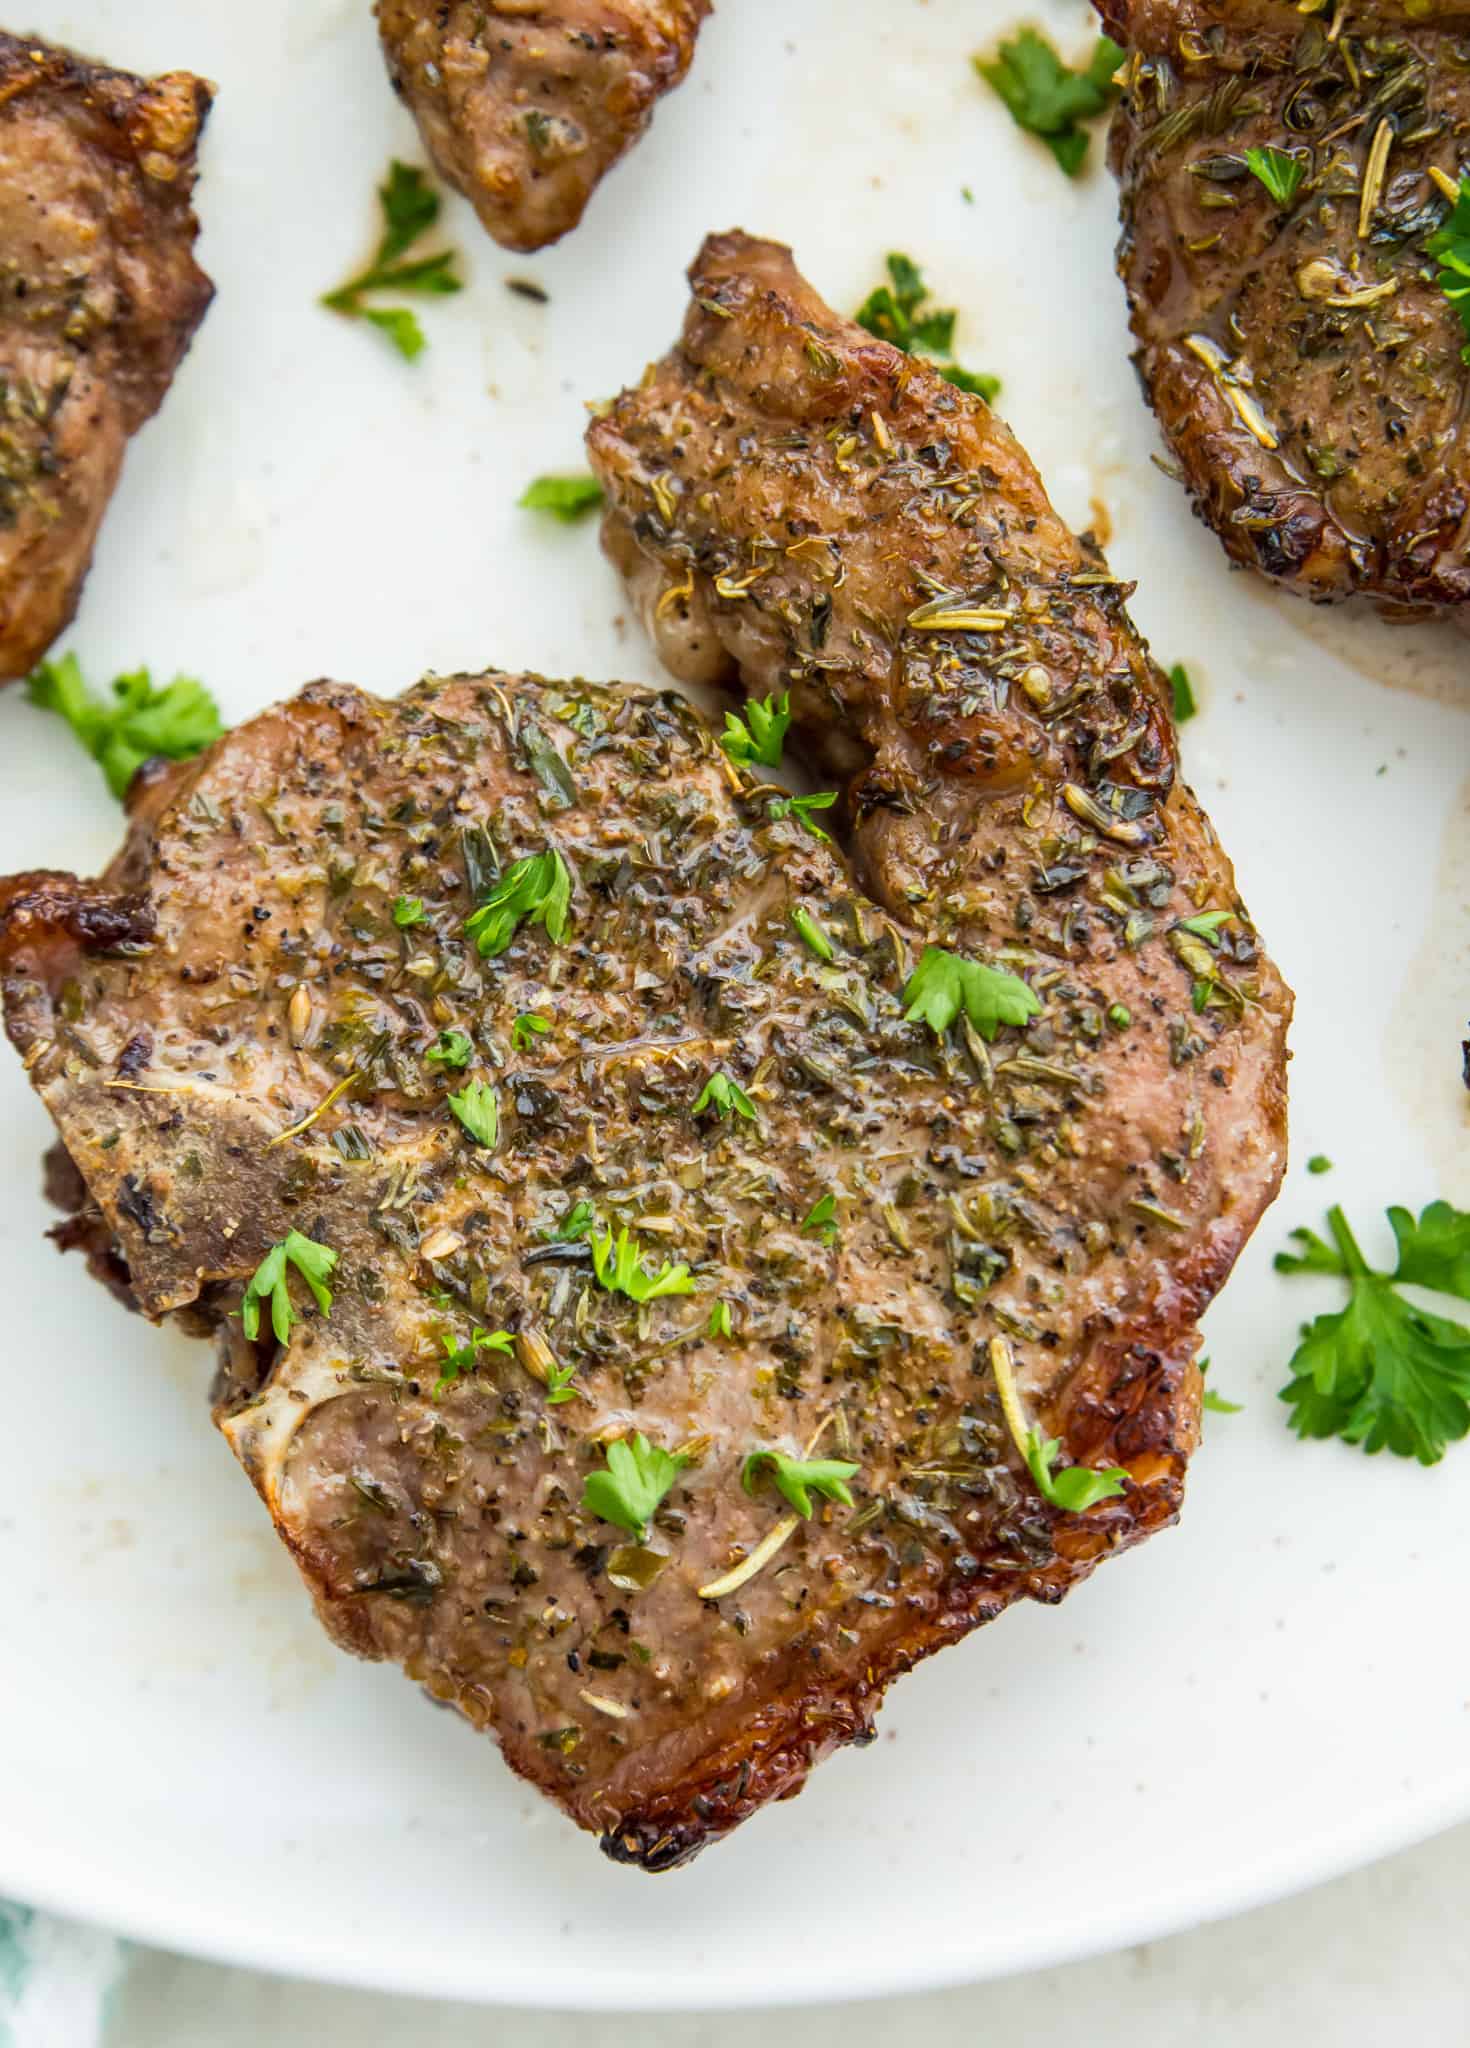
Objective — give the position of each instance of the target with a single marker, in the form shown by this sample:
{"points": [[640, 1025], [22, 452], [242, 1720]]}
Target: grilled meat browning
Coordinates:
{"points": [[525, 107], [1301, 357], [101, 296]]}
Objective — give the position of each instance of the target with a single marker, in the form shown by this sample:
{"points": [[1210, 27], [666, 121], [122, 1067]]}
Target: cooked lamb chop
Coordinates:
{"points": [[524, 106], [102, 296], [1302, 359]]}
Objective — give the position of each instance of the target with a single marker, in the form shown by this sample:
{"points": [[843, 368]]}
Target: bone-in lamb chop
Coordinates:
{"points": [[101, 298], [525, 107], [716, 1282], [1294, 340]]}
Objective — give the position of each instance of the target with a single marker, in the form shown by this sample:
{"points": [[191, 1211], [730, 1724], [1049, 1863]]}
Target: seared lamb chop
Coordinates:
{"points": [[1293, 338], [525, 106], [102, 296]]}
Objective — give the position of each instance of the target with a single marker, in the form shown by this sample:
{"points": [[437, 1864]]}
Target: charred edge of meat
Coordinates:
{"points": [[45, 904]]}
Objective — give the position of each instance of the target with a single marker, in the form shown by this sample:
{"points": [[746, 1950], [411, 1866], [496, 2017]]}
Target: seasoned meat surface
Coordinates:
{"points": [[1303, 361], [101, 297], [525, 107]]}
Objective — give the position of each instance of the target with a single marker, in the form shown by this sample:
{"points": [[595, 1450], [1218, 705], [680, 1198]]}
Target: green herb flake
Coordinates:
{"points": [[527, 1028], [636, 1477], [761, 734], [725, 1097], [893, 312], [1380, 1372], [797, 1479], [568, 498], [269, 1282], [1451, 245], [537, 890], [450, 1049], [720, 1323], [812, 933], [1216, 1403], [478, 1108], [1319, 1163], [945, 983], [409, 911], [1046, 98], [1075, 1488], [618, 1264], [1278, 171], [821, 1220], [801, 808], [460, 1359], [177, 721], [410, 208], [1185, 702], [576, 1224]]}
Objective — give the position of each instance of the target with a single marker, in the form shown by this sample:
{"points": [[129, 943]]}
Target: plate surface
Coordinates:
{"points": [[1270, 1693]]}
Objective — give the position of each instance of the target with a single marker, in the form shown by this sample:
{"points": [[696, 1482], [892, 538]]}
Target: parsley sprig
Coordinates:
{"points": [[1452, 247], [410, 207], [1278, 171], [450, 1049], [893, 313], [536, 890], [725, 1097], [1077, 1487], [1047, 98], [270, 1282], [1380, 1372], [636, 1477], [618, 1264], [797, 1479], [761, 734], [944, 983], [141, 721], [477, 1107], [801, 808], [461, 1359]]}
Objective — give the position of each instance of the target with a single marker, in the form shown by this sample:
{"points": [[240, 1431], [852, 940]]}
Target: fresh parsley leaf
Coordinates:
{"points": [[567, 498], [637, 1476], [269, 1282], [527, 1028], [537, 890], [1047, 98], [463, 1358], [618, 1264], [1075, 1488], [409, 910], [945, 983], [1185, 705], [1319, 1163], [725, 1097], [1216, 1403], [797, 1479], [812, 933], [478, 1108], [410, 207], [1278, 171], [761, 734], [1380, 1372], [560, 1383], [801, 808], [892, 313], [450, 1049], [176, 721], [720, 1324], [1451, 245], [576, 1224], [821, 1219]]}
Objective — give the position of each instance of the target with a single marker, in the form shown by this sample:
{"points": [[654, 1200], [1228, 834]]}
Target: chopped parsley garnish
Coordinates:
{"points": [[527, 1028], [269, 1282], [1047, 98], [1319, 1163], [478, 1108], [797, 1479], [1216, 1403], [409, 910], [463, 1358], [1451, 245], [1380, 1372], [618, 1264], [821, 1219], [761, 734], [1278, 171], [176, 721], [576, 1224], [945, 983], [1076, 1487], [536, 890], [725, 1097], [1185, 703], [567, 498], [892, 312], [560, 1383], [1206, 925], [637, 1476], [720, 1324], [410, 207], [801, 808], [450, 1049], [812, 933]]}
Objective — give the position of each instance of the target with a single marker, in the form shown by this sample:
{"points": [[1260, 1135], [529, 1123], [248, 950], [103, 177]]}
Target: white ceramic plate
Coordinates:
{"points": [[1274, 1691]]}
